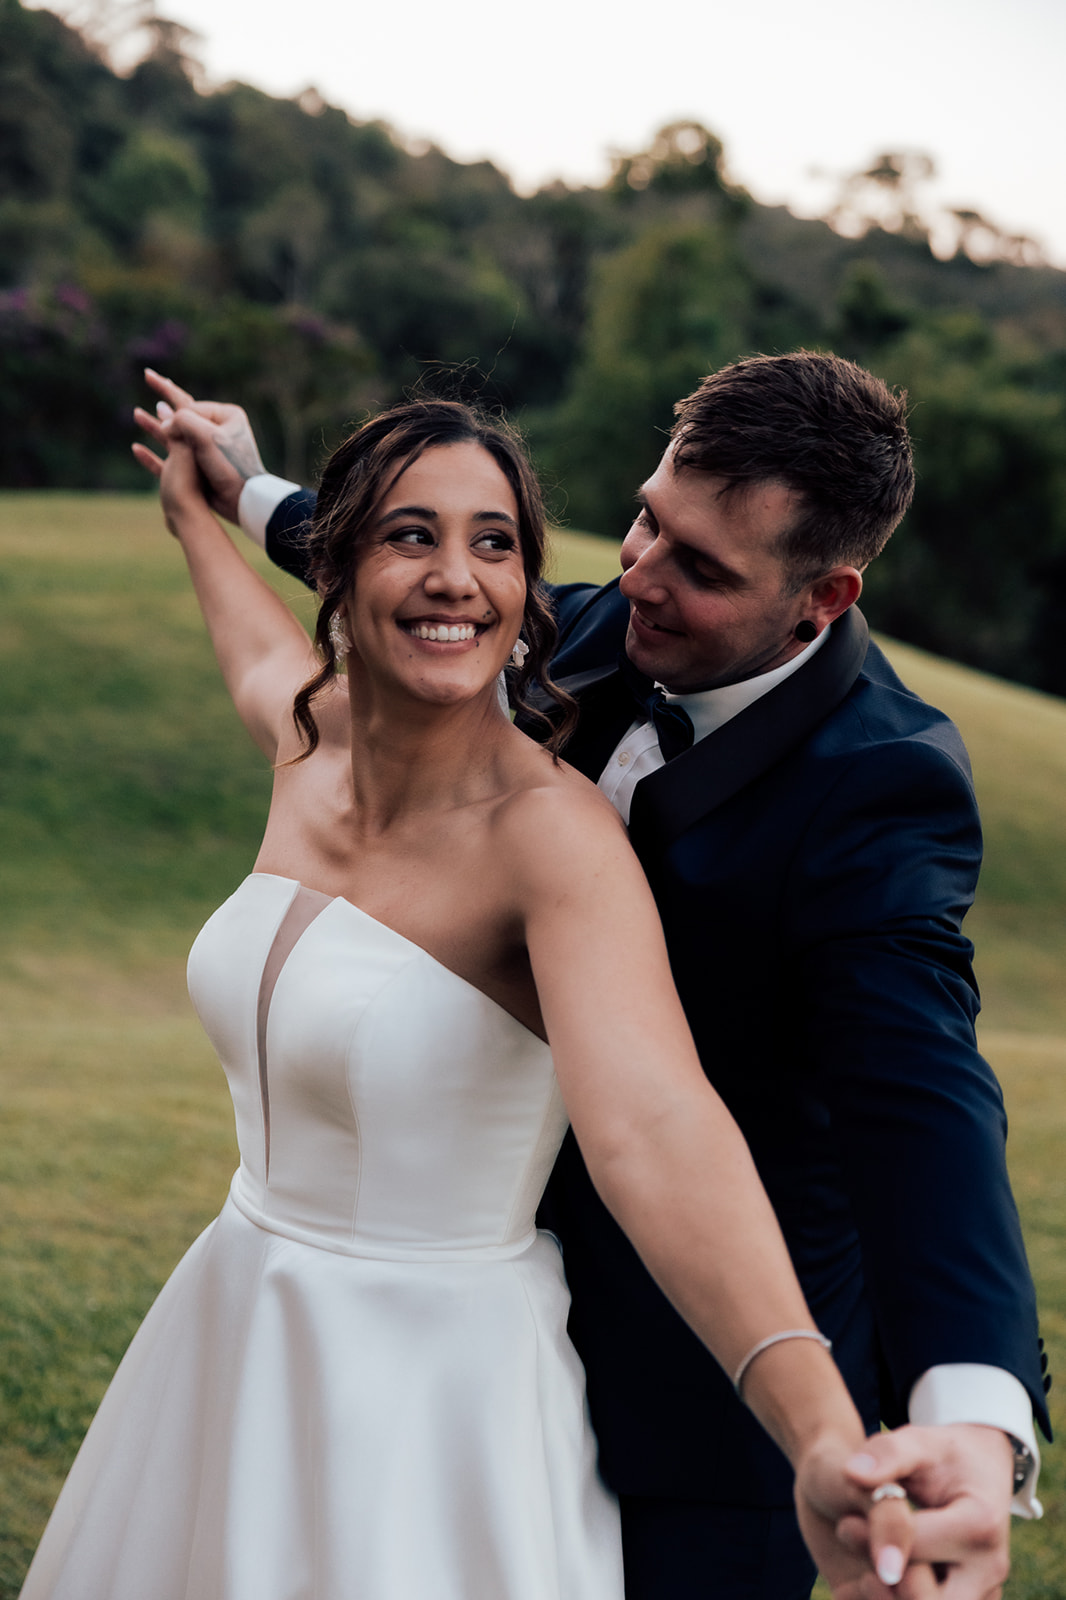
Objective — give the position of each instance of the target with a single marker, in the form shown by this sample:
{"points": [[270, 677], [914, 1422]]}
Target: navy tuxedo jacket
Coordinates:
{"points": [[812, 862]]}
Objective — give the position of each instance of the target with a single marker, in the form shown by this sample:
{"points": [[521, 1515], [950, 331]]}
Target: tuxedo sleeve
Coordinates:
{"points": [[286, 533], [883, 978]]}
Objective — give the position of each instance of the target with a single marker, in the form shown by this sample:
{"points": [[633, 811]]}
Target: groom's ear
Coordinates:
{"points": [[831, 595]]}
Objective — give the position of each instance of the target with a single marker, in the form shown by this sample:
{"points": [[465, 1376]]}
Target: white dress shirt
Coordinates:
{"points": [[956, 1392], [260, 498], [637, 753]]}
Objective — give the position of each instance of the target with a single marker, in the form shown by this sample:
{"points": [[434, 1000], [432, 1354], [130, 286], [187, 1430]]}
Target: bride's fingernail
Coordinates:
{"points": [[861, 1463], [163, 411], [890, 1565]]}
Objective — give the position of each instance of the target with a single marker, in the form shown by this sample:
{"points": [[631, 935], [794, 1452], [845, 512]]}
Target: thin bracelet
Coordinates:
{"points": [[777, 1338]]}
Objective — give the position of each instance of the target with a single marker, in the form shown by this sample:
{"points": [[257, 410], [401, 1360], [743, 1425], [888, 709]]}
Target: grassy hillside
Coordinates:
{"points": [[130, 805]]}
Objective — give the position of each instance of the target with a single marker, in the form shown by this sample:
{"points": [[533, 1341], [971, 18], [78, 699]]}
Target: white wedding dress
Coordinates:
{"points": [[357, 1385]]}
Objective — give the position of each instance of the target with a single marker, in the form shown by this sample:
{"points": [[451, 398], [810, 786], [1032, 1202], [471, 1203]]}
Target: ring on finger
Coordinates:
{"points": [[888, 1491]]}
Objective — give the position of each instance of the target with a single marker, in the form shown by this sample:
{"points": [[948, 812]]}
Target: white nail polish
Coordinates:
{"points": [[890, 1565]]}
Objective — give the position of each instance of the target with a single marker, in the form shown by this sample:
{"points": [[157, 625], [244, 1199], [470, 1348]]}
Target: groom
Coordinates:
{"points": [[811, 837]]}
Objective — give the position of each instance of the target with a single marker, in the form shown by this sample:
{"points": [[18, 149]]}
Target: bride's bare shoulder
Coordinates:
{"points": [[558, 813]]}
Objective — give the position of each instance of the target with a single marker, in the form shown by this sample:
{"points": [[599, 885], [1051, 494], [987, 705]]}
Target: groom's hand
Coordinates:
{"points": [[870, 1566], [221, 435], [960, 1476]]}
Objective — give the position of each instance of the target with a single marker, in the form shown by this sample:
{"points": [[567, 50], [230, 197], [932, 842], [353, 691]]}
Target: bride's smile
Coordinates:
{"points": [[439, 589], [442, 630]]}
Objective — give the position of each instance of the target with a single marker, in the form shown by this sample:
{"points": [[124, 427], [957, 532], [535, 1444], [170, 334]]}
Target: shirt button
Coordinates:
{"points": [[623, 758]]}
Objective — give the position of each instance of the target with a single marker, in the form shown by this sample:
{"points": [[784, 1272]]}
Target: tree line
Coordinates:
{"points": [[283, 253]]}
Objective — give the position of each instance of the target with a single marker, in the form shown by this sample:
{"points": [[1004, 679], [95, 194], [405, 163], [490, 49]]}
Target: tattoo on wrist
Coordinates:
{"points": [[237, 443]]}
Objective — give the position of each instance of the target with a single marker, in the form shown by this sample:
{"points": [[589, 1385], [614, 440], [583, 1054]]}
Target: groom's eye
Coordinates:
{"points": [[698, 572]]}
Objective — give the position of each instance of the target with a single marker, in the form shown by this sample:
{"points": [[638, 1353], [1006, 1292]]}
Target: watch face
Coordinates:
{"points": [[1023, 1463]]}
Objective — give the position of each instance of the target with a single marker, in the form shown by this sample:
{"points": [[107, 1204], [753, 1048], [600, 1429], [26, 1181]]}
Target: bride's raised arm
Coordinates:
{"points": [[263, 652], [662, 1149]]}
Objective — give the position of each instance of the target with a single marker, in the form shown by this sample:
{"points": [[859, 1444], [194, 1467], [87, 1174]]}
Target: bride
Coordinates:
{"points": [[358, 1380]]}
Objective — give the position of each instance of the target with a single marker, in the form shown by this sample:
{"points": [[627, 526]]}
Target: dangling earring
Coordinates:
{"points": [[519, 653], [338, 638]]}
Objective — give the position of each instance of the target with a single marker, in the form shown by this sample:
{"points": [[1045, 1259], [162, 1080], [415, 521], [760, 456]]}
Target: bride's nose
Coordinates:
{"points": [[451, 571]]}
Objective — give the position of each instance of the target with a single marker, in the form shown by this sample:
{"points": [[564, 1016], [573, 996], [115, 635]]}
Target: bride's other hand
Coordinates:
{"points": [[669, 1161], [862, 1549], [219, 433]]}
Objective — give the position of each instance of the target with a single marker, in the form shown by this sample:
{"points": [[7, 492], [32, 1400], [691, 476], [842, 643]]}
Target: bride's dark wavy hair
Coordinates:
{"points": [[356, 477]]}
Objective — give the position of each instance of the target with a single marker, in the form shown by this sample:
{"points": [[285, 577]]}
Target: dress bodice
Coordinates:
{"points": [[384, 1105], [358, 1379]]}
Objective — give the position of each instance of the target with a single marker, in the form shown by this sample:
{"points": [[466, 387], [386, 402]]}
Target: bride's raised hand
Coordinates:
{"points": [[180, 489], [262, 649]]}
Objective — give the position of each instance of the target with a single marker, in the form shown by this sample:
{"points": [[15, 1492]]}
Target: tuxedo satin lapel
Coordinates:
{"points": [[718, 767], [606, 711]]}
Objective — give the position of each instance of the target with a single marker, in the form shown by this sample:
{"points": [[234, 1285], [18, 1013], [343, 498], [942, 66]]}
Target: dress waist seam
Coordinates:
{"points": [[367, 1249]]}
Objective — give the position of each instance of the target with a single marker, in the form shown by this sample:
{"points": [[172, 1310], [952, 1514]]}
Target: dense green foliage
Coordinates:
{"points": [[278, 252]]}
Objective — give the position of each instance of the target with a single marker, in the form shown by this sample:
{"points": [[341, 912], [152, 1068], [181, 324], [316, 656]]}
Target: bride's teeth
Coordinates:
{"points": [[457, 633]]}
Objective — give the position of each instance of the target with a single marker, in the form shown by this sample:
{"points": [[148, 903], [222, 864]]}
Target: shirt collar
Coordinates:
{"points": [[710, 708]]}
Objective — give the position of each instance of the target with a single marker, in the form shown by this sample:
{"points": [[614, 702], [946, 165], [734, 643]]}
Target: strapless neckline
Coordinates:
{"points": [[412, 944]]}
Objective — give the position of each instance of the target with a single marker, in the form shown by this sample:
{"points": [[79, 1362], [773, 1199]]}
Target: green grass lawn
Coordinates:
{"points": [[131, 802]]}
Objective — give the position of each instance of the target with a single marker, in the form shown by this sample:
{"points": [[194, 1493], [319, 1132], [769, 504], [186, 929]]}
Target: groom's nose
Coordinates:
{"points": [[636, 543], [643, 574]]}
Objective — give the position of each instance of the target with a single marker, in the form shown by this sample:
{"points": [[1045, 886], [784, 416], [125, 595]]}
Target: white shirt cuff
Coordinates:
{"points": [[969, 1392], [260, 498]]}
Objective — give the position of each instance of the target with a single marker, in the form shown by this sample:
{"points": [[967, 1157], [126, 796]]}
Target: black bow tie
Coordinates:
{"points": [[672, 724]]}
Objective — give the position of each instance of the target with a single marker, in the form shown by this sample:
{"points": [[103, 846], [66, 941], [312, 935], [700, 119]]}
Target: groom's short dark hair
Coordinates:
{"points": [[825, 427]]}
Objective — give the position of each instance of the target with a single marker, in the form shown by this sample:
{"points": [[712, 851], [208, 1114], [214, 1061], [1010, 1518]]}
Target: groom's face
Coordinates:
{"points": [[707, 590]]}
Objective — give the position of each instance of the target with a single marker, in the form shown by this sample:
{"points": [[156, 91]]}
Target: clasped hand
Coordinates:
{"points": [[956, 1538], [226, 454]]}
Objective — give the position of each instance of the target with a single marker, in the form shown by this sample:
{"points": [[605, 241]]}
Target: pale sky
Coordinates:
{"points": [[548, 90]]}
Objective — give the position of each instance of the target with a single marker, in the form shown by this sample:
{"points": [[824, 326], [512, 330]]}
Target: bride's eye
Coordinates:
{"points": [[410, 536], [497, 542]]}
